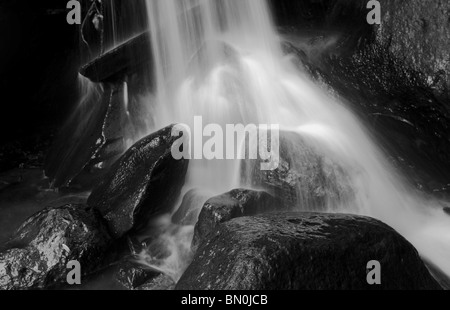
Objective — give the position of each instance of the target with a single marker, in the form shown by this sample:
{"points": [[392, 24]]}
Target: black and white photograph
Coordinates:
{"points": [[206, 146]]}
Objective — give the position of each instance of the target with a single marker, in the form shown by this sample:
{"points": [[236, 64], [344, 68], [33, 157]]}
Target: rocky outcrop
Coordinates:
{"points": [[419, 33], [305, 176], [293, 251], [415, 32], [237, 203], [144, 182], [38, 254], [396, 75]]}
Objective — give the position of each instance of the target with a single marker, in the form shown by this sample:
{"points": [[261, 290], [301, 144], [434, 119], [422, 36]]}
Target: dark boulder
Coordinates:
{"points": [[415, 31], [237, 203], [144, 182], [418, 32], [305, 176], [190, 208], [38, 254], [394, 75], [304, 251]]}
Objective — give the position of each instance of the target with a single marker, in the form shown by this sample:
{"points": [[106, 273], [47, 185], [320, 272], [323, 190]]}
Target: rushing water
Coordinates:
{"points": [[222, 59]]}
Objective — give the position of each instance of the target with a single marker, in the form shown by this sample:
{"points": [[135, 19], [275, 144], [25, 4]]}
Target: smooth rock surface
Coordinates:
{"points": [[236, 203], [304, 251], [37, 255], [146, 181]]}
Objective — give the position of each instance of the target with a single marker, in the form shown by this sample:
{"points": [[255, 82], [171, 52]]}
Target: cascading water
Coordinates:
{"points": [[222, 60]]}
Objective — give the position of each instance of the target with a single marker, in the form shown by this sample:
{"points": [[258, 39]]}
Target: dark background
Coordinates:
{"points": [[38, 69]]}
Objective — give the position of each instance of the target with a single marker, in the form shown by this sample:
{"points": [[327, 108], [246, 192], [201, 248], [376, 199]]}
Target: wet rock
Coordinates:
{"points": [[237, 203], [146, 181], [121, 61], [132, 275], [417, 32], [411, 122], [190, 208], [305, 176], [304, 251], [37, 255], [160, 283], [392, 74]]}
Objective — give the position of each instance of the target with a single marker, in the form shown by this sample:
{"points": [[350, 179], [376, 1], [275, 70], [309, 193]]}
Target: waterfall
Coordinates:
{"points": [[222, 60]]}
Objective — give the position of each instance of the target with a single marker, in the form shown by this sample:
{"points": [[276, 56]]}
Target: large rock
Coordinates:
{"points": [[305, 176], [297, 251], [418, 32], [145, 182], [236, 203], [395, 75], [38, 253]]}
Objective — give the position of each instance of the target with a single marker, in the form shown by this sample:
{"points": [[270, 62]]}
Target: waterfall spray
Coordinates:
{"points": [[222, 60]]}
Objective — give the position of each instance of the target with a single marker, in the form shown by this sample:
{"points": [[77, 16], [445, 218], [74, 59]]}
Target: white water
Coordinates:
{"points": [[221, 59]]}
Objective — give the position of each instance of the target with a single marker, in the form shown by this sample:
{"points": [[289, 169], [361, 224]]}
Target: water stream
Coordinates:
{"points": [[223, 60]]}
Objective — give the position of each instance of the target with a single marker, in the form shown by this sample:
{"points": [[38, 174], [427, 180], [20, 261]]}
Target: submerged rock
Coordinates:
{"points": [[38, 254], [304, 251], [304, 177], [146, 181], [237, 203]]}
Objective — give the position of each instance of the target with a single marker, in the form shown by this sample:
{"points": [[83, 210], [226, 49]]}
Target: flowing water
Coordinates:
{"points": [[222, 60]]}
